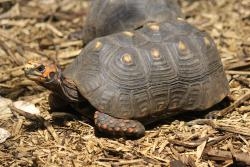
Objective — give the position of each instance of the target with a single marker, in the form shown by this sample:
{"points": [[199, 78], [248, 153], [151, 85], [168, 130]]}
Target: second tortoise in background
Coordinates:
{"points": [[110, 16], [133, 78]]}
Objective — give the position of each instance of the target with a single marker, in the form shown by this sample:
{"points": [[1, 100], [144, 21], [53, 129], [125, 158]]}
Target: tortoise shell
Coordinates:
{"points": [[109, 16], [161, 68]]}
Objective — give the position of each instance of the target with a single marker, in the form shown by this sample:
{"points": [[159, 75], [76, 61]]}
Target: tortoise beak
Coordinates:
{"points": [[31, 72]]}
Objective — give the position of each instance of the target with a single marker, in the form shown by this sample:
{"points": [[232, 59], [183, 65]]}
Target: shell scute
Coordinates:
{"points": [[167, 75]]}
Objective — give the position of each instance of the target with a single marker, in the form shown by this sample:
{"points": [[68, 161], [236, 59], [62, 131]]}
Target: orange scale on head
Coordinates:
{"points": [[49, 69], [104, 126], [130, 130]]}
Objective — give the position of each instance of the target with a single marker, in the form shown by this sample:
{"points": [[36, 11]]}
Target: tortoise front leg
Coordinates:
{"points": [[57, 103], [118, 127]]}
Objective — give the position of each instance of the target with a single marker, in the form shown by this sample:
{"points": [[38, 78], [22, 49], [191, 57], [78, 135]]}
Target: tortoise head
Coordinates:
{"points": [[42, 72], [49, 75]]}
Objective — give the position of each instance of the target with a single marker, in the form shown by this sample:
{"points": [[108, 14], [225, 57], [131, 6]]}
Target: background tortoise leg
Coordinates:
{"points": [[77, 35], [118, 127], [86, 34]]}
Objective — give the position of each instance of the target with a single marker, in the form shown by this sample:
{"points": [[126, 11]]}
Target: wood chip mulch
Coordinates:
{"points": [[39, 29]]}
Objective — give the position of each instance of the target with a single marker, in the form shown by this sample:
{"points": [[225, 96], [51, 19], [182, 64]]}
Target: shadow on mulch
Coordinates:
{"points": [[60, 119]]}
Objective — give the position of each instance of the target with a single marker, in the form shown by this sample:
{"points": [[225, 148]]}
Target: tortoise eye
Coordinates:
{"points": [[41, 68]]}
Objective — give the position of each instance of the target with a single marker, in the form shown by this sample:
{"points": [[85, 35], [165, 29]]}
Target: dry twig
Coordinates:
{"points": [[219, 155], [34, 117]]}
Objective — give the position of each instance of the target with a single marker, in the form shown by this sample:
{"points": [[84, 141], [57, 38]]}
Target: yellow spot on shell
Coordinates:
{"points": [[154, 26], [127, 59], [206, 41], [182, 47], [128, 33], [180, 19], [155, 53], [98, 45]]}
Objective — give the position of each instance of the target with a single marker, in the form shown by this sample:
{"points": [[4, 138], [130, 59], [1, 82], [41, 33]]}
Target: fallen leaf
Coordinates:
{"points": [[4, 134], [27, 107]]}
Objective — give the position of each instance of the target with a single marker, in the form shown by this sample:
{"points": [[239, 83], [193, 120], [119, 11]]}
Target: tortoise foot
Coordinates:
{"points": [[118, 127], [212, 115]]}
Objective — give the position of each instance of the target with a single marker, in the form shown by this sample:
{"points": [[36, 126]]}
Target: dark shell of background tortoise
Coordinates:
{"points": [[111, 16], [164, 68]]}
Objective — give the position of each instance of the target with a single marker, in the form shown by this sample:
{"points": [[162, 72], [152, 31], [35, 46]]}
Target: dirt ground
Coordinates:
{"points": [[39, 29]]}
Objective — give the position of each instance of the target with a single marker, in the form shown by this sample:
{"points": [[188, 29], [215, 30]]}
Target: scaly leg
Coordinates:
{"points": [[57, 103], [118, 127]]}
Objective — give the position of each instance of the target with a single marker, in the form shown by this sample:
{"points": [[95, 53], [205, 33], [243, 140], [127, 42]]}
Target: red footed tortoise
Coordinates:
{"points": [[110, 16], [136, 77]]}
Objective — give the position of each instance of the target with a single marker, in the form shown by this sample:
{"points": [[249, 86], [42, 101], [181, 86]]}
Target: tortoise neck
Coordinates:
{"points": [[68, 90], [65, 88]]}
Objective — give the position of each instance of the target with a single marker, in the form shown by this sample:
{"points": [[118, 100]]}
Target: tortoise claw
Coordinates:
{"points": [[212, 115]]}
